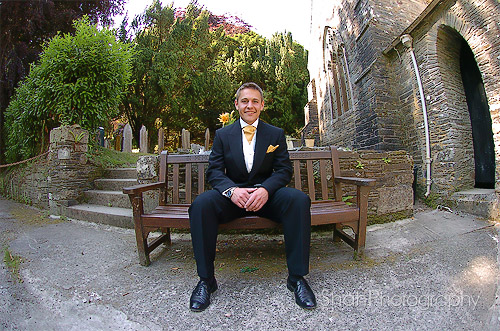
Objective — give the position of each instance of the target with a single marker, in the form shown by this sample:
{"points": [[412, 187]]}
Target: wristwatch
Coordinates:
{"points": [[229, 192]]}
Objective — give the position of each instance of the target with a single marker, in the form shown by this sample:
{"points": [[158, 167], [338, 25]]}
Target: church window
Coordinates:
{"points": [[338, 94]]}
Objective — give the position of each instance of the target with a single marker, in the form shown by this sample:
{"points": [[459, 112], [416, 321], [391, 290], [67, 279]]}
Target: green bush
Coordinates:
{"points": [[79, 78]]}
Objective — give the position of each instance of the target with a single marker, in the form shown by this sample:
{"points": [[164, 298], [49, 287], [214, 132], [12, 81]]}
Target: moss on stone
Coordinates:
{"points": [[108, 158], [387, 218], [31, 216]]}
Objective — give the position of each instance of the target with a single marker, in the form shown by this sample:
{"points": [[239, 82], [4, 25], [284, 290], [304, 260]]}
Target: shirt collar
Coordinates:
{"points": [[243, 123]]}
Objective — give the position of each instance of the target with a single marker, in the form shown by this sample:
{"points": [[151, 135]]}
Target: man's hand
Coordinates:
{"points": [[241, 195], [257, 199], [252, 199]]}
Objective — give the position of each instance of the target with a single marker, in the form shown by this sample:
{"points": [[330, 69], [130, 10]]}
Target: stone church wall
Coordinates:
{"points": [[386, 113], [437, 42]]}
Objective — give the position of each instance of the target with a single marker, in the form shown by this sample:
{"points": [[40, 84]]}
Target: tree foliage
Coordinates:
{"points": [[189, 64], [80, 78], [279, 66], [178, 81], [27, 25]]}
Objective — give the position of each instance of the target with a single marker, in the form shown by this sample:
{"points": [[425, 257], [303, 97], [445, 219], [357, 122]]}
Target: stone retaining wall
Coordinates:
{"points": [[27, 183], [57, 179], [392, 196]]}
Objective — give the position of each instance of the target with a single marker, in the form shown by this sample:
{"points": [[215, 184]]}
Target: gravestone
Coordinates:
{"points": [[127, 139], [118, 143], [161, 140], [185, 139], [143, 140], [207, 139], [100, 136], [197, 149]]}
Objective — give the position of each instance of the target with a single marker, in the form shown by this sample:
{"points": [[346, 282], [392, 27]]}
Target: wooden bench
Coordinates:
{"points": [[182, 178]]}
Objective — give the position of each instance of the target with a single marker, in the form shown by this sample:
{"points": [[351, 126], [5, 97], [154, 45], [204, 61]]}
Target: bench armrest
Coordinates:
{"points": [[137, 189], [356, 181]]}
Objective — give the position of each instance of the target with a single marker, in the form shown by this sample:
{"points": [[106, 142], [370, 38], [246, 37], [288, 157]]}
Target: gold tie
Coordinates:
{"points": [[249, 131]]}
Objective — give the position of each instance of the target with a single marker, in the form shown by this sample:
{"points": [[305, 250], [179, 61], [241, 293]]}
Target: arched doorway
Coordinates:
{"points": [[482, 133]]}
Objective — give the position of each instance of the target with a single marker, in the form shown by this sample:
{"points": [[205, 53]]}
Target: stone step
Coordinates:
{"points": [[120, 217], [121, 173], [107, 198], [113, 184], [480, 202]]}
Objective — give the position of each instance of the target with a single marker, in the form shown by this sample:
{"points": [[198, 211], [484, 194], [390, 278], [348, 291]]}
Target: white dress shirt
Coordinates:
{"points": [[248, 149]]}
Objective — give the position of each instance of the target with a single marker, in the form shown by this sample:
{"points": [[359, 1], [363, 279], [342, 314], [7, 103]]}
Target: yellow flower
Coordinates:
{"points": [[224, 118]]}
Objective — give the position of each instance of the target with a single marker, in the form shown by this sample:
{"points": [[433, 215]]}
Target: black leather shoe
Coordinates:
{"points": [[200, 298], [304, 295]]}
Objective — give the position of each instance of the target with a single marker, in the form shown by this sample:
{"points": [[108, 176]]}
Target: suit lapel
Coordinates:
{"points": [[261, 144], [236, 146]]}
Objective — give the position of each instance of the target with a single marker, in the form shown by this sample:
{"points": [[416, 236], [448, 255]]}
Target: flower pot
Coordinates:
{"points": [[309, 142]]}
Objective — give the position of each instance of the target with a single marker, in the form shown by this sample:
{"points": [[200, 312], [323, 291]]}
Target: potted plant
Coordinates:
{"points": [[310, 137]]}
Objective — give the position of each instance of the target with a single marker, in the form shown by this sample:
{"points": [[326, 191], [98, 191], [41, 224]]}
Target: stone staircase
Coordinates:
{"points": [[480, 202], [107, 204]]}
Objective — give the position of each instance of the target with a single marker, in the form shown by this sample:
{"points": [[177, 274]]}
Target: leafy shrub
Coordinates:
{"points": [[79, 79]]}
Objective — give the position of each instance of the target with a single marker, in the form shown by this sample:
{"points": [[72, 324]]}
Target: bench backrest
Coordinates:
{"points": [[313, 173]]}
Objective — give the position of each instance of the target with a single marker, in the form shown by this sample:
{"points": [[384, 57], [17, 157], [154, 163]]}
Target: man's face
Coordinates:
{"points": [[249, 105]]}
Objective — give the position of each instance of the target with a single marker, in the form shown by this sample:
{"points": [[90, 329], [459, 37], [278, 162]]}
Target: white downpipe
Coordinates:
{"points": [[408, 42]]}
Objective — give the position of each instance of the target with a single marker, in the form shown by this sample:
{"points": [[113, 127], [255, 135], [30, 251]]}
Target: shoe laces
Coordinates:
{"points": [[200, 289]]}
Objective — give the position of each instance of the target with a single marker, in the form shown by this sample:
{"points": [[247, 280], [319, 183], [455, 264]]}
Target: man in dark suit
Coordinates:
{"points": [[249, 169]]}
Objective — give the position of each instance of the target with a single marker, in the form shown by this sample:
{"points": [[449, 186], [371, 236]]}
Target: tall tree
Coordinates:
{"points": [[279, 66], [286, 82], [178, 82], [189, 63], [26, 25]]}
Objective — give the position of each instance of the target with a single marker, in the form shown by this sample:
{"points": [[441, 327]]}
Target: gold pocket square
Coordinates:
{"points": [[271, 148]]}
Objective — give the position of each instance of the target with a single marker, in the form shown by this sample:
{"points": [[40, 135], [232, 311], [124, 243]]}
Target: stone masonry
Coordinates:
{"points": [[360, 39], [68, 173]]}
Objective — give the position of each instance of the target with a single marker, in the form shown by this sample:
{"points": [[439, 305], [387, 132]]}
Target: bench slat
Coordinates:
{"points": [[188, 183], [336, 173], [310, 155], [201, 178], [310, 180], [296, 175], [175, 181], [324, 181], [169, 217], [187, 158]]}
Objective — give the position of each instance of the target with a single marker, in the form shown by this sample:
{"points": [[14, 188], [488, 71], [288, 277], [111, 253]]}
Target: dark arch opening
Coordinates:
{"points": [[482, 133]]}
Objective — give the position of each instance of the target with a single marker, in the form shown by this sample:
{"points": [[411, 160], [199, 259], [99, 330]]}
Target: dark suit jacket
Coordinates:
{"points": [[227, 164]]}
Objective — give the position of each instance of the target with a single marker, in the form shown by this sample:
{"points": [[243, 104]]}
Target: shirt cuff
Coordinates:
{"points": [[229, 192]]}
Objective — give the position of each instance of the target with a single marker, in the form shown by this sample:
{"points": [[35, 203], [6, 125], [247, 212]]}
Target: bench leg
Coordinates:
{"points": [[143, 254], [166, 232], [363, 218], [141, 236], [336, 229]]}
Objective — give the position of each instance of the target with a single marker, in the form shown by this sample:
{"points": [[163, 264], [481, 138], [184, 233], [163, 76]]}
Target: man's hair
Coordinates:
{"points": [[252, 86]]}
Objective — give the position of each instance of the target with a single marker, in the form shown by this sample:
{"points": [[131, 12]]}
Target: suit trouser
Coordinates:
{"points": [[287, 206]]}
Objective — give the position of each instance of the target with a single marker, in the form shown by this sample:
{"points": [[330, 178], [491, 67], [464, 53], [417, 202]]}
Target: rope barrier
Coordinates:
{"points": [[24, 161]]}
